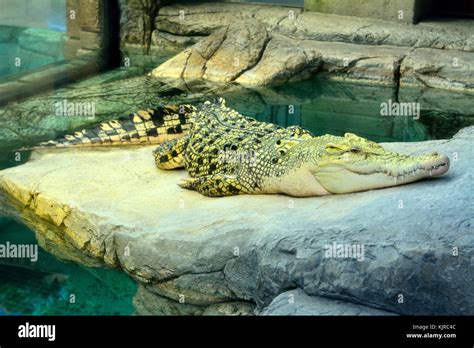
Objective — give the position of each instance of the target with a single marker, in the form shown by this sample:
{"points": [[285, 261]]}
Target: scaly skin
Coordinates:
{"points": [[227, 154], [151, 126], [265, 158]]}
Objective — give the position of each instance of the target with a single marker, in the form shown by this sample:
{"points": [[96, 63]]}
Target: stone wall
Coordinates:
{"points": [[85, 27], [137, 37], [402, 10], [412, 11]]}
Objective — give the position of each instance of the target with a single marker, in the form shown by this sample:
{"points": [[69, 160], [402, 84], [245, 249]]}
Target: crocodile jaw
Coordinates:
{"points": [[299, 182], [346, 179]]}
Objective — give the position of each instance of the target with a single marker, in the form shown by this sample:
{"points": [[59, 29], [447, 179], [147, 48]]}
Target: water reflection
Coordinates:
{"points": [[320, 105]]}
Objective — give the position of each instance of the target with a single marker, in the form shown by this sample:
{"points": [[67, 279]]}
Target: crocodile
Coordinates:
{"points": [[226, 153]]}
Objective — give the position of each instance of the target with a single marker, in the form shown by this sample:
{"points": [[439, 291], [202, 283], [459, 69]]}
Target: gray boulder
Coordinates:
{"points": [[149, 303], [296, 302], [221, 57]]}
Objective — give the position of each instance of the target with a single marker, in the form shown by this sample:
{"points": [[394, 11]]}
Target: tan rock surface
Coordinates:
{"points": [[442, 69]]}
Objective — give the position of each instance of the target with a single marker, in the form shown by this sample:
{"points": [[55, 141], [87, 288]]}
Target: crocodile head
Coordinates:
{"points": [[351, 164]]}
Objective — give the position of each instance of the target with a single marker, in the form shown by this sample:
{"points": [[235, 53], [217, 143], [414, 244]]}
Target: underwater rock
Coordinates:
{"points": [[148, 303], [197, 289], [9, 34], [437, 99], [414, 242], [296, 302], [451, 70], [35, 119]]}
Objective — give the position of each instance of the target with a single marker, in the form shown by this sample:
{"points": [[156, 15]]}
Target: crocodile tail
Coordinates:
{"points": [[151, 126]]}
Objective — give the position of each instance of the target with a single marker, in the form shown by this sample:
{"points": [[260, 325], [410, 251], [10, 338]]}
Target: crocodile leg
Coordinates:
{"points": [[170, 154], [216, 185]]}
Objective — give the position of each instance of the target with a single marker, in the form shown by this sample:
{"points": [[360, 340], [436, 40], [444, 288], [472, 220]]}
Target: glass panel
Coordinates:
{"points": [[32, 34]]}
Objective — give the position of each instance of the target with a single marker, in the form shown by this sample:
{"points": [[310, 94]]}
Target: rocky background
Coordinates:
{"points": [[259, 44]]}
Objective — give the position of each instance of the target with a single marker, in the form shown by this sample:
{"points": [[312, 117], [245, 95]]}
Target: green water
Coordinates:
{"points": [[52, 287]]}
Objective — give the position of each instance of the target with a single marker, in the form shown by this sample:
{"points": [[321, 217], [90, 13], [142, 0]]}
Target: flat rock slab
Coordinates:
{"points": [[193, 19], [296, 302], [148, 303], [114, 206], [438, 69]]}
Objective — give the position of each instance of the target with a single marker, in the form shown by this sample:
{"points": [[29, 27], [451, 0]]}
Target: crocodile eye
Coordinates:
{"points": [[355, 150]]}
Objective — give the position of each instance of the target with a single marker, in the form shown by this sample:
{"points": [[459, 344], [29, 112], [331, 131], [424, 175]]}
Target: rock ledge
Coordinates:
{"points": [[113, 206]]}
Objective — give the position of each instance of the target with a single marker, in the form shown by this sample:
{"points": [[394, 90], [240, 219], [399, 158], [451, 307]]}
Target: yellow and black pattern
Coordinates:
{"points": [[217, 185], [226, 153], [170, 154], [150, 126]]}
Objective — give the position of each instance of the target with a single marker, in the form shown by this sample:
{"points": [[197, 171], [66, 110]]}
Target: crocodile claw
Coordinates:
{"points": [[187, 183]]}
